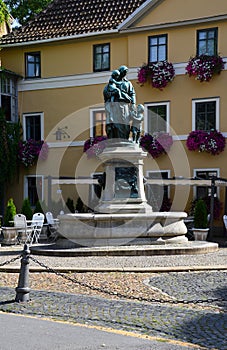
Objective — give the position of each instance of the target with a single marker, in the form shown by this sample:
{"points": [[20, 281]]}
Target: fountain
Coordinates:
{"points": [[122, 217]]}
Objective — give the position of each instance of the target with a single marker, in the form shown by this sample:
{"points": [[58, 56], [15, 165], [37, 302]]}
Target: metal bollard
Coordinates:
{"points": [[23, 282]]}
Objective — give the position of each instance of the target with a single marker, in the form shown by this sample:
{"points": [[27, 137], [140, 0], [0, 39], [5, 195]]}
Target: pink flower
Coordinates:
{"points": [[206, 141], [30, 150], [159, 74], [156, 144], [203, 67], [143, 74], [94, 146]]}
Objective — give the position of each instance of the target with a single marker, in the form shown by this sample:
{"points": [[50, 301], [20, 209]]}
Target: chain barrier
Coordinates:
{"points": [[126, 296], [10, 261]]}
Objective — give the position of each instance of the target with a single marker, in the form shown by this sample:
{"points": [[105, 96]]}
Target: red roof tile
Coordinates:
{"points": [[65, 18]]}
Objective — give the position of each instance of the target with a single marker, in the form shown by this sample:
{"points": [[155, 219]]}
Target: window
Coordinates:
{"points": [[101, 57], [205, 191], [156, 117], [33, 189], [32, 65], [33, 126], [98, 123], [9, 96], [157, 193], [157, 48], [205, 114], [207, 41]]}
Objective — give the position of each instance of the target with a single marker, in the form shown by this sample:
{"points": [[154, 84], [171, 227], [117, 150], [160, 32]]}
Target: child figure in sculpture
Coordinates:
{"points": [[137, 119]]}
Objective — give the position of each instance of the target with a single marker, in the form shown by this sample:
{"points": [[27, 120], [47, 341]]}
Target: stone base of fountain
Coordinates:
{"points": [[117, 229], [123, 214]]}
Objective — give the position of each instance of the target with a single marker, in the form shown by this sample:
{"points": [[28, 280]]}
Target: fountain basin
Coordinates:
{"points": [[91, 229]]}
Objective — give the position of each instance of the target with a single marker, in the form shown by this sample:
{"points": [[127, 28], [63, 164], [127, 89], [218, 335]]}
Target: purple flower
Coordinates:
{"points": [[159, 74], [203, 67], [30, 150], [195, 140], [214, 142], [206, 141], [156, 144], [94, 146], [143, 74], [165, 140], [43, 154]]}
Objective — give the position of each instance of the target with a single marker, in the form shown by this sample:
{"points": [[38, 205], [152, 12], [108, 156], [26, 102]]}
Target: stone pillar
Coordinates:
{"points": [[124, 187]]}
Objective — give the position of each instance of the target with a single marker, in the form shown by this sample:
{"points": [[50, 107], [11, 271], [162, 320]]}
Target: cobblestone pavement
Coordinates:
{"points": [[218, 258], [191, 286], [199, 318], [203, 324]]}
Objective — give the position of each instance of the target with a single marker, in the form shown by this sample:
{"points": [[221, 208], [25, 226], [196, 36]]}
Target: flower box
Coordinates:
{"points": [[159, 74], [156, 144], [31, 150], [212, 142], [94, 146], [203, 67]]}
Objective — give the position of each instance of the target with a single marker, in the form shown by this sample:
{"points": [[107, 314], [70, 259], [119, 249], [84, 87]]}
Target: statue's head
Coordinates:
{"points": [[123, 70], [115, 74], [140, 108]]}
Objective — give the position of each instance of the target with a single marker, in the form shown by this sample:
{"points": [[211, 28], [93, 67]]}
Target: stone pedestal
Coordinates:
{"points": [[123, 215], [123, 190]]}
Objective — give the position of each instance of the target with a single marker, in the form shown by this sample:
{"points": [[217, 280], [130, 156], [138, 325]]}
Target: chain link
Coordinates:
{"points": [[125, 296], [10, 261]]}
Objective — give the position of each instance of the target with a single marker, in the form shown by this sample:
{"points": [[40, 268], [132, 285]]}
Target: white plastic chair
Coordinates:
{"points": [[53, 225], [21, 224], [225, 221], [34, 230]]}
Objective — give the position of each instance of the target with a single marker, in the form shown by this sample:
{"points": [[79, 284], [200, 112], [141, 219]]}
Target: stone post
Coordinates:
{"points": [[23, 289]]}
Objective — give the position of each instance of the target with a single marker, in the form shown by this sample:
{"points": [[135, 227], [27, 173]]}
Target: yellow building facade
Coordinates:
{"points": [[66, 96]]}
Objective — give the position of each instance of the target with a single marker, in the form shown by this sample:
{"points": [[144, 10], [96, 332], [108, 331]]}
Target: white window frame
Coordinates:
{"points": [[13, 94], [41, 115], [146, 105], [26, 185], [194, 101], [92, 111]]}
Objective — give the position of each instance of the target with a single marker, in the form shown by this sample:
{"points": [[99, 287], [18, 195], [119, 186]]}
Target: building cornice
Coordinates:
{"points": [[85, 79], [61, 144], [64, 82]]}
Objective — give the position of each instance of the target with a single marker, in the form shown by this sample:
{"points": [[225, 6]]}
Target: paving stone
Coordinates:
{"points": [[193, 285], [194, 325], [203, 324]]}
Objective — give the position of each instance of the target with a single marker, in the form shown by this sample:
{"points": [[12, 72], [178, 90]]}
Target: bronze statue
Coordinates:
{"points": [[120, 100], [137, 119]]}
